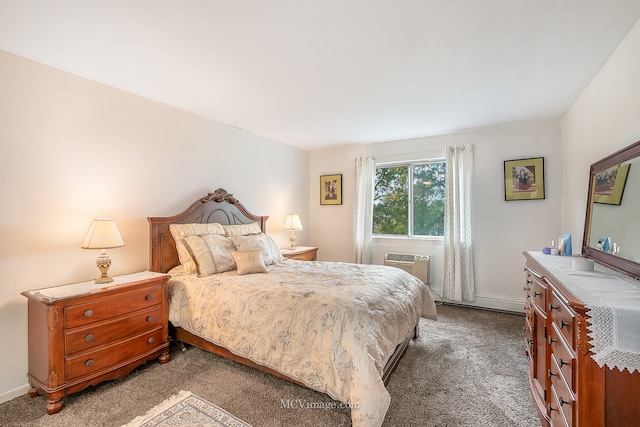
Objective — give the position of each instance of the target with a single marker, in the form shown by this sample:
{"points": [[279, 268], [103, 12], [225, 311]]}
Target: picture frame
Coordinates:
{"points": [[609, 185], [331, 189], [524, 179]]}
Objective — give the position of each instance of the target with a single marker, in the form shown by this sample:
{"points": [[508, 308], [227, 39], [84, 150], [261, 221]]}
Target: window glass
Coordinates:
{"points": [[408, 199]]}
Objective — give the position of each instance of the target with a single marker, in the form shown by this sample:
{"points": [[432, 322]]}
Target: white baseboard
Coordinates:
{"points": [[500, 304], [12, 394]]}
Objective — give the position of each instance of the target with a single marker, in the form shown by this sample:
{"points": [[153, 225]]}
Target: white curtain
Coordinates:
{"points": [[363, 209], [458, 281]]}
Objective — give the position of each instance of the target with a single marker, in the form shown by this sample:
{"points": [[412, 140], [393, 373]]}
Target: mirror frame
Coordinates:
{"points": [[617, 263]]}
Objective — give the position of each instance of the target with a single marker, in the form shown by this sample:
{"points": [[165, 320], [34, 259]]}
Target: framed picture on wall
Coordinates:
{"points": [[609, 185], [524, 179], [331, 189]]}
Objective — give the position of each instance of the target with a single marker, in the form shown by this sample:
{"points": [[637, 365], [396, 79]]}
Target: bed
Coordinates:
{"points": [[338, 328]]}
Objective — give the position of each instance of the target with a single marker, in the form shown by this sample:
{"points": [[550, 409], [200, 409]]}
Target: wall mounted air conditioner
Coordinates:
{"points": [[418, 265]]}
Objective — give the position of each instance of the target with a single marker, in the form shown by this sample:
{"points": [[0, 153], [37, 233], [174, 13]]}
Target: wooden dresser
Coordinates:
{"points": [[302, 253], [85, 333], [569, 388]]}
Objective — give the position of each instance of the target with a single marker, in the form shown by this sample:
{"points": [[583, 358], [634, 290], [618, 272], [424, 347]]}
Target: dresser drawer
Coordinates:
{"points": [[114, 329], [562, 400], [84, 314], [538, 291], [563, 318], [564, 357], [89, 362]]}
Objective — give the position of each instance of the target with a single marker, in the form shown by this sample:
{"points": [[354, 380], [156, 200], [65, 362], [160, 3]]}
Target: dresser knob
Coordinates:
{"points": [[550, 408], [88, 313], [550, 374], [149, 297], [150, 340], [563, 402], [552, 307], [551, 340], [536, 293], [149, 318], [562, 363], [89, 363], [89, 338], [562, 323]]}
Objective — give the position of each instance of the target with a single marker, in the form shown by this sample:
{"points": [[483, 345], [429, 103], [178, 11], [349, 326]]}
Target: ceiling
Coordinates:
{"points": [[314, 74]]}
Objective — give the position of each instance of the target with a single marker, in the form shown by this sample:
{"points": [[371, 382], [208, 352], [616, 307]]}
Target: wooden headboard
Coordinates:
{"points": [[219, 206]]}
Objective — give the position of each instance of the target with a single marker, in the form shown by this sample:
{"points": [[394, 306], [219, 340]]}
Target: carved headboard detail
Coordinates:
{"points": [[219, 206]]}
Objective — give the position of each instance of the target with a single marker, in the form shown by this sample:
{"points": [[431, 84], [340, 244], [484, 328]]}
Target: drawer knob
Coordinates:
{"points": [[89, 363], [562, 323], [88, 313], [563, 402], [150, 340], [551, 340], [536, 293], [149, 297], [562, 363], [149, 318], [89, 338], [550, 408], [550, 374], [552, 307]]}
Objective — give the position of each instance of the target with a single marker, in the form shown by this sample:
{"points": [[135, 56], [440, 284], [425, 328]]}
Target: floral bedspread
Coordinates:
{"points": [[331, 326]]}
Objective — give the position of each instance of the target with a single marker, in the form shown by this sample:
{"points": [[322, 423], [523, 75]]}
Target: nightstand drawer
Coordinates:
{"points": [[301, 253], [84, 314], [110, 330], [90, 362], [308, 256]]}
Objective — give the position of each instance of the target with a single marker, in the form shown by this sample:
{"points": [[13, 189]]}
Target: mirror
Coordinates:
{"points": [[611, 231]]}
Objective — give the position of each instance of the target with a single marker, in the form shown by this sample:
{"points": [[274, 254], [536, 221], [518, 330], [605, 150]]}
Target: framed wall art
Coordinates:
{"points": [[331, 189], [609, 185], [524, 179]]}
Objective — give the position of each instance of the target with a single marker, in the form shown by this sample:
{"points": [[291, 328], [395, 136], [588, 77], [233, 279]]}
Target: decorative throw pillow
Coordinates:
{"points": [[211, 253], [249, 262], [180, 231], [272, 247], [270, 252], [242, 229]]}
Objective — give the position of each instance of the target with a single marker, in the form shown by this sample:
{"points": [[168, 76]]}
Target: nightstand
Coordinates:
{"points": [[302, 253], [85, 333]]}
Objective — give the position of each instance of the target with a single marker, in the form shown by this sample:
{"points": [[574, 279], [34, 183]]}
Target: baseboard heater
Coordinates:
{"points": [[418, 265]]}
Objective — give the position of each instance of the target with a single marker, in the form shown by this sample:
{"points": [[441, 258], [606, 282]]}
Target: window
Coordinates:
{"points": [[408, 199]]}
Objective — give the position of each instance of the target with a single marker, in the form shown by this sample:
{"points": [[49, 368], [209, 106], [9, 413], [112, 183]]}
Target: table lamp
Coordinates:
{"points": [[292, 223], [103, 234]]}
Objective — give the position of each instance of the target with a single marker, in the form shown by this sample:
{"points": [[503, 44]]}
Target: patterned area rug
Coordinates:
{"points": [[187, 410]]}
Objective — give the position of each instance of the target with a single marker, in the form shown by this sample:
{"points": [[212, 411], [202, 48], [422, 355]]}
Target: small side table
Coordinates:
{"points": [[85, 333], [302, 253]]}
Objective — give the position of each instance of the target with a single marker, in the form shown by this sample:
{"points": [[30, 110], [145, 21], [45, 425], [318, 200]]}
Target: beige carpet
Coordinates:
{"points": [[467, 369]]}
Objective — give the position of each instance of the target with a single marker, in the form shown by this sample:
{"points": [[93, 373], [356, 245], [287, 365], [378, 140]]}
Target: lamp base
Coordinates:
{"points": [[103, 263], [292, 239]]}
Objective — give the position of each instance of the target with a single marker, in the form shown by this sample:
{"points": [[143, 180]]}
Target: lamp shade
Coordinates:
{"points": [[292, 223], [103, 234]]}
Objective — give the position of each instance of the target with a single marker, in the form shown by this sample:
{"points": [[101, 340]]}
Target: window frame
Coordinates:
{"points": [[409, 164]]}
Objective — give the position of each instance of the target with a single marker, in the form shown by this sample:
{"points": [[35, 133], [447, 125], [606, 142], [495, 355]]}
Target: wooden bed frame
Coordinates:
{"points": [[221, 207]]}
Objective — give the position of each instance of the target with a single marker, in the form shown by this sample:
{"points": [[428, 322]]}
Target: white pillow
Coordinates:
{"points": [[212, 253], [270, 252], [180, 231], [249, 262], [241, 229]]}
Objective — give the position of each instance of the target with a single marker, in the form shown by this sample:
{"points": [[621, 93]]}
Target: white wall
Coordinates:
{"points": [[604, 119], [502, 230], [72, 149]]}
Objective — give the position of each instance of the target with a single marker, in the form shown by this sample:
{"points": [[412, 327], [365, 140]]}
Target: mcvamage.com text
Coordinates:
{"points": [[305, 404]]}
